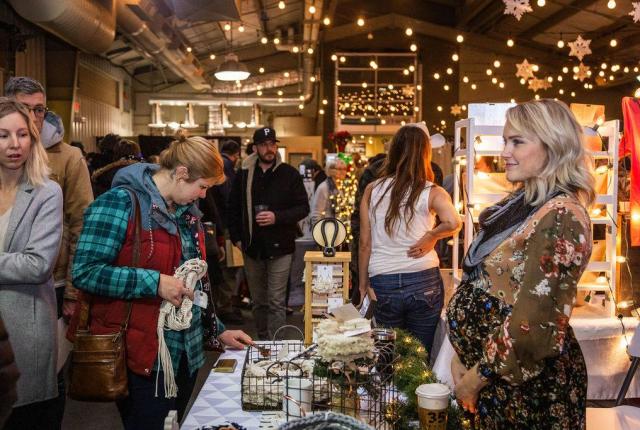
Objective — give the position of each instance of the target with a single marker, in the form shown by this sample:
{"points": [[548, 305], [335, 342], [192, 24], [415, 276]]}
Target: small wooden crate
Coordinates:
{"points": [[316, 304]]}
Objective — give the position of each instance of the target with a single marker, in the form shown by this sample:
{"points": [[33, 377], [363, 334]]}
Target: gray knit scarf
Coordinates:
{"points": [[497, 223]]}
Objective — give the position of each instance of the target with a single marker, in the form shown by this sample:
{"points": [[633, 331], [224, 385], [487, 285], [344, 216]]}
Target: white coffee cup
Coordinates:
{"points": [[433, 402], [298, 393]]}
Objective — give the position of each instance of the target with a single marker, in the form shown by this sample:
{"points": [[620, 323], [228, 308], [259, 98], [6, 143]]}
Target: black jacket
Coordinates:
{"points": [[286, 197]]}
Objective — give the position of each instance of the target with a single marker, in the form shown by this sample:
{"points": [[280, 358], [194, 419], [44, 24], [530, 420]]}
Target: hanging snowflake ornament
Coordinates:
{"points": [[456, 110], [582, 73], [525, 70], [516, 8], [635, 13], [536, 84], [580, 48]]}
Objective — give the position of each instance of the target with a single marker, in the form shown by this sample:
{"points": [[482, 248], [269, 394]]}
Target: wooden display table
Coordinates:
{"points": [[316, 304]]}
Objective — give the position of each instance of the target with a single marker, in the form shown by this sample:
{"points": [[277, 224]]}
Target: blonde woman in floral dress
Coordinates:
{"points": [[518, 363]]}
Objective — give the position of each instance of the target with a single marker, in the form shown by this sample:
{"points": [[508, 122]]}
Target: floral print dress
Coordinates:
{"points": [[513, 320]]}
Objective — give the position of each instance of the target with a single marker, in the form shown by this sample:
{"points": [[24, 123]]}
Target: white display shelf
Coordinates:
{"points": [[471, 196]]}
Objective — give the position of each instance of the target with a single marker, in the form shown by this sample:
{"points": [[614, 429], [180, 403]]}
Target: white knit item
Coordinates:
{"points": [[178, 319]]}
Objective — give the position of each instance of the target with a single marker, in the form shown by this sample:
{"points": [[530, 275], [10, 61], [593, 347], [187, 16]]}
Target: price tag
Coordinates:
{"points": [[200, 299], [333, 303], [325, 272]]}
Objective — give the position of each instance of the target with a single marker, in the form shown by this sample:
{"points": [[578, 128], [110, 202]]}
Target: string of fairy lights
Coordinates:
{"points": [[564, 80]]}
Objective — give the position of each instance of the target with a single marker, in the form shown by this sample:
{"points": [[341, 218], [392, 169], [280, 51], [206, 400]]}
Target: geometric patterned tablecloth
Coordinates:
{"points": [[219, 400]]}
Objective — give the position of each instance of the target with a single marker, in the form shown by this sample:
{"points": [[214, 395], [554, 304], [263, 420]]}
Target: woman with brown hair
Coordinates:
{"points": [[171, 233], [398, 265]]}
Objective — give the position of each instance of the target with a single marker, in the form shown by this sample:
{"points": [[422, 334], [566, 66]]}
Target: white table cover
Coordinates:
{"points": [[219, 400]]}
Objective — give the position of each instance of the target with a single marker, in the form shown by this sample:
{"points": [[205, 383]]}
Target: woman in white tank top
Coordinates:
{"points": [[398, 265]]}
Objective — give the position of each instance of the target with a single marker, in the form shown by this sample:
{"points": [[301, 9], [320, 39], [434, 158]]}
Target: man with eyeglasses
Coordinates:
{"points": [[69, 170], [266, 202]]}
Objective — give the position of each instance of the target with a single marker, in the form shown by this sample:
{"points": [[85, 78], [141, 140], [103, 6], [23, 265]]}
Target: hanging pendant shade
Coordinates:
{"points": [[232, 69]]}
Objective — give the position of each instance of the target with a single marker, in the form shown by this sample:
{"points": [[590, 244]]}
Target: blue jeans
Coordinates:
{"points": [[410, 301]]}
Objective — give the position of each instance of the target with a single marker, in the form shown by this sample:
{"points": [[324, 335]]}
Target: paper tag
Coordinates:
{"points": [[282, 354], [334, 303], [365, 306], [346, 312], [200, 299], [325, 272]]}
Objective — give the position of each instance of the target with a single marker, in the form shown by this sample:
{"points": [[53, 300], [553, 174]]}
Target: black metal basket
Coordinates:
{"points": [[265, 393]]}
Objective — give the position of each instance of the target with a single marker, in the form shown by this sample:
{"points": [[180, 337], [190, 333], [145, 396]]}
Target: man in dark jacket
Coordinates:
{"points": [[266, 202]]}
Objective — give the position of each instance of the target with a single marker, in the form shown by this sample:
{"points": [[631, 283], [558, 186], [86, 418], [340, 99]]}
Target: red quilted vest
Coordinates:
{"points": [[158, 251]]}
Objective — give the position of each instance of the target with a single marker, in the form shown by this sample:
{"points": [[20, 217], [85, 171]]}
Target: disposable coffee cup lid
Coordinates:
{"points": [[433, 391]]}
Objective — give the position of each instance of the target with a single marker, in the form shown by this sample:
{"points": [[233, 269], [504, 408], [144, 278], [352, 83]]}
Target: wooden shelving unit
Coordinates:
{"points": [[317, 304]]}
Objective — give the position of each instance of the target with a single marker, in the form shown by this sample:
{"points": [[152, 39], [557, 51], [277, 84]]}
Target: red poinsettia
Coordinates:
{"points": [[340, 139]]}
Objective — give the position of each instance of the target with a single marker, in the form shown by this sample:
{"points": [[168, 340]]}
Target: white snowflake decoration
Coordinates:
{"points": [[583, 72], [536, 84], [635, 13], [516, 8], [525, 70], [580, 48]]}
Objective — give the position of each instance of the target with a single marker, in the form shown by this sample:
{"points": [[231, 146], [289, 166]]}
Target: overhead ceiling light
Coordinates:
{"points": [[281, 4], [326, 21], [232, 69]]}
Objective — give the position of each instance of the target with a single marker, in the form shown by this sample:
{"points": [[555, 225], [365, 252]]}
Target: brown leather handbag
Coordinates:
{"points": [[99, 361]]}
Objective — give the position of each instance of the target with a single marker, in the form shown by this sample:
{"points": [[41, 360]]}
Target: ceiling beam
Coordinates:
{"points": [[262, 15], [541, 54], [551, 21], [471, 10]]}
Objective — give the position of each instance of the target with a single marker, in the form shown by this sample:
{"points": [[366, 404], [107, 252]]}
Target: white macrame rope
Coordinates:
{"points": [[178, 319]]}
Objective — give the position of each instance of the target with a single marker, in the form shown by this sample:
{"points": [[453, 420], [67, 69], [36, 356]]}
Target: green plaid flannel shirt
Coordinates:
{"points": [[103, 234]]}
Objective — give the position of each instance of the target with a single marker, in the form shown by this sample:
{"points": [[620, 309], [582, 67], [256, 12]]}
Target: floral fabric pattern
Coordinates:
{"points": [[513, 320]]}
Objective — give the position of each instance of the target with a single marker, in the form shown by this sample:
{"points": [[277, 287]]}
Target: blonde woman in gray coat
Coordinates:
{"points": [[30, 233]]}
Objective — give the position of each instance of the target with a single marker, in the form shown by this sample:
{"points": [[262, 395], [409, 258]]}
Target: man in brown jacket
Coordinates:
{"points": [[69, 170]]}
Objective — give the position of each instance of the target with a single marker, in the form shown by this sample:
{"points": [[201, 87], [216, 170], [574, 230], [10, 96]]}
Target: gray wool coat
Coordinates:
{"points": [[28, 255]]}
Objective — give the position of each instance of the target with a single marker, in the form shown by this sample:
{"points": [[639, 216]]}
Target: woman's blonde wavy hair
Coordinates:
{"points": [[199, 155], [36, 169], [569, 168]]}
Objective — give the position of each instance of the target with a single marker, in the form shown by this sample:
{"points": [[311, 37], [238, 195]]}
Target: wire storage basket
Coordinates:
{"points": [[366, 393], [265, 372]]}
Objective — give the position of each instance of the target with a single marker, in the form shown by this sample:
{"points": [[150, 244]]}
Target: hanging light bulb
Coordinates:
{"points": [[295, 49], [334, 57], [565, 69], [264, 40], [455, 57], [360, 22], [212, 56], [241, 28], [227, 27], [373, 64], [496, 64], [408, 31], [474, 86], [413, 47], [281, 4], [489, 72], [560, 44], [436, 75], [535, 67], [261, 70], [189, 49], [326, 20], [541, 3], [510, 43], [312, 9], [276, 41], [611, 4], [449, 71], [465, 80], [459, 38], [343, 59], [310, 51], [494, 80], [613, 43]]}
